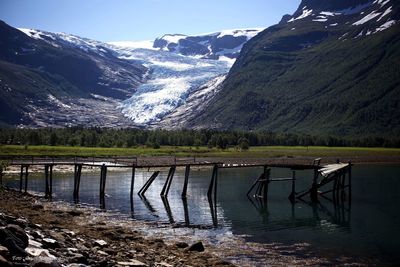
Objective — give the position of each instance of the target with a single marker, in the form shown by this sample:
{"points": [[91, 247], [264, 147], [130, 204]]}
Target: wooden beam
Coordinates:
{"points": [[146, 186], [186, 181]]}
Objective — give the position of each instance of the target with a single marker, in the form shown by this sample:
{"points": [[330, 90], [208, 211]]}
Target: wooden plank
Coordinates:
{"points": [[331, 168]]}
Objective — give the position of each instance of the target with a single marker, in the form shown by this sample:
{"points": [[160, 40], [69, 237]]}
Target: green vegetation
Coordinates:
{"points": [[185, 151], [310, 81], [133, 138]]}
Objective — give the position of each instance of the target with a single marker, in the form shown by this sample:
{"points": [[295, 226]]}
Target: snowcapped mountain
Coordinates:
{"points": [[224, 44], [169, 82]]}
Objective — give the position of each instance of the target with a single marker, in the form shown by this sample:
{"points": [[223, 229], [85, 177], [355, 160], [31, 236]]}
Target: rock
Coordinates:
{"points": [[75, 212], [37, 234], [14, 239], [20, 234], [100, 243], [102, 253], [197, 247], [78, 258], [45, 262], [21, 222], [39, 252], [77, 265], [131, 263], [181, 245], [4, 262], [35, 244], [163, 264], [50, 243], [3, 251]]}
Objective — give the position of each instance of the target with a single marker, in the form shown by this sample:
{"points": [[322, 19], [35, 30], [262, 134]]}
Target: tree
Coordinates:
{"points": [[243, 143]]}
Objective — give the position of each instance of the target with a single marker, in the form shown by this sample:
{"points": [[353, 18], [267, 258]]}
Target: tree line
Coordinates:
{"points": [[104, 137]]}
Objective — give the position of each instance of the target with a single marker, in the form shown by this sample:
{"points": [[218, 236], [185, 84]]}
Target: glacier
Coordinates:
{"points": [[171, 79]]}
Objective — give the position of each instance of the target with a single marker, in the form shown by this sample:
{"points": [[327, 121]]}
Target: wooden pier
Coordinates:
{"points": [[330, 178]]}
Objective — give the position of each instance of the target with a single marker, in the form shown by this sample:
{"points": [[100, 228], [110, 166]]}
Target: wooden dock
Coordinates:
{"points": [[337, 175]]}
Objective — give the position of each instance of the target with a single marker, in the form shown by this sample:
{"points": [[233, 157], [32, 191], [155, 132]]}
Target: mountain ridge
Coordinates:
{"points": [[316, 72]]}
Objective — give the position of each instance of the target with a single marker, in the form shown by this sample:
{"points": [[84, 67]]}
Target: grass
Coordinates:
{"points": [[184, 151]]}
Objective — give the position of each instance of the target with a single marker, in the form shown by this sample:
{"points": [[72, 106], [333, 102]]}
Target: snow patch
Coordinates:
{"points": [[367, 18], [306, 13], [387, 12], [385, 26]]}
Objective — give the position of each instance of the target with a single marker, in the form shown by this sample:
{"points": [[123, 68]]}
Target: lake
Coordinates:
{"points": [[369, 228]]}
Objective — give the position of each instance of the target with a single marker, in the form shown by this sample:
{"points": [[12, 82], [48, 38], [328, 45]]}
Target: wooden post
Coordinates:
{"points": [[101, 179], [349, 183], [185, 183], [292, 196], [168, 181], [20, 178], [132, 180], [46, 177], [215, 186], [186, 211], [265, 187], [26, 177], [77, 179], [51, 181], [148, 183], [103, 185], [314, 187], [212, 182]]}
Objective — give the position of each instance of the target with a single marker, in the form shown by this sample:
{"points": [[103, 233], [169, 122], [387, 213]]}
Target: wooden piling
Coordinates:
{"points": [[26, 178], [213, 181], [46, 177], [168, 181], [186, 181], [132, 180], [20, 178], [146, 186], [349, 173], [292, 196], [51, 181], [103, 177], [77, 179]]}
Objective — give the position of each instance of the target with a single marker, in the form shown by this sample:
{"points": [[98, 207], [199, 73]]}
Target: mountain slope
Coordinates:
{"points": [[44, 79], [331, 68]]}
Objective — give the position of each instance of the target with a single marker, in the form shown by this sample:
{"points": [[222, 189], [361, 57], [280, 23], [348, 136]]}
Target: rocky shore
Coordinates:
{"points": [[36, 233]]}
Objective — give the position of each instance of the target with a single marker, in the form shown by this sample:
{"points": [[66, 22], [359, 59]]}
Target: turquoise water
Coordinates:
{"points": [[370, 227]]}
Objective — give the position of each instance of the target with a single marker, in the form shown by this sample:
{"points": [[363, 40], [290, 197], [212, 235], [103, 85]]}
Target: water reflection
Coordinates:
{"points": [[369, 224]]}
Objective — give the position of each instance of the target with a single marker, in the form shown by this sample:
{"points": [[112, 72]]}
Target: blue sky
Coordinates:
{"points": [[118, 20]]}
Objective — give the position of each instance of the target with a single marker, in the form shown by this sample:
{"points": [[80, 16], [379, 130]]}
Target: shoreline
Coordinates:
{"points": [[130, 240]]}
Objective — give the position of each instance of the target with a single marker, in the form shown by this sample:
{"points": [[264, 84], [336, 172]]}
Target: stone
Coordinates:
{"points": [[19, 234], [102, 253], [197, 247], [100, 243], [12, 242], [35, 244], [50, 243], [163, 264], [39, 252], [45, 262], [131, 263], [78, 258], [181, 245]]}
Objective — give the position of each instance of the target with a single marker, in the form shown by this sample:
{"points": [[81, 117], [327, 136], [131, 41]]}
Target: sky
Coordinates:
{"points": [[137, 20]]}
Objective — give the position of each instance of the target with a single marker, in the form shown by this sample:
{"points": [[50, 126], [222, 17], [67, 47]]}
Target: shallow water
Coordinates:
{"points": [[370, 227]]}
